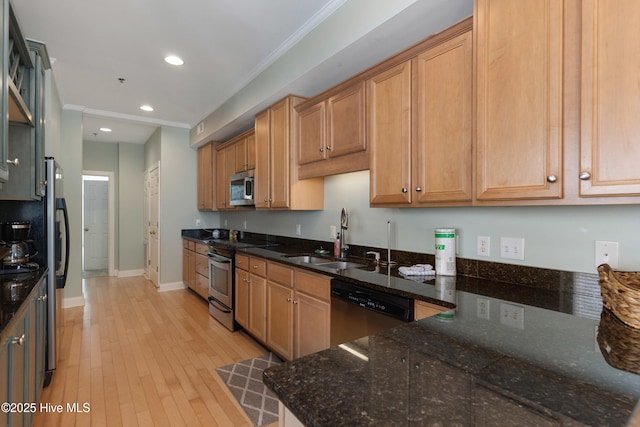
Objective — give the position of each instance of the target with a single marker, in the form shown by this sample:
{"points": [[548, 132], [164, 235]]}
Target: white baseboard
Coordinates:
{"points": [[130, 273], [73, 302], [164, 287]]}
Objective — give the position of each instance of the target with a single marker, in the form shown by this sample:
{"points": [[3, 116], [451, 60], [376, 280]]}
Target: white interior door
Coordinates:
{"points": [[96, 225]]}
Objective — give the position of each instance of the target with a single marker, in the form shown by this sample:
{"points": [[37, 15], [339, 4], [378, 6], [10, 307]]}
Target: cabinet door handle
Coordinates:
{"points": [[15, 162], [329, 147], [552, 178], [584, 176], [321, 150], [418, 188], [288, 299], [295, 302], [404, 189], [18, 340]]}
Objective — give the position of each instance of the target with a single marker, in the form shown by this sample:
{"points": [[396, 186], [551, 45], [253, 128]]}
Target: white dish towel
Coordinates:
{"points": [[418, 270]]}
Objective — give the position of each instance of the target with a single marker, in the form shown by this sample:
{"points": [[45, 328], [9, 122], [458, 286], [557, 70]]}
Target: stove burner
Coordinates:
{"points": [[26, 267]]}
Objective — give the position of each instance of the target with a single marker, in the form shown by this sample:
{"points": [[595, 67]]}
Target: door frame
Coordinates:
{"points": [[110, 215]]}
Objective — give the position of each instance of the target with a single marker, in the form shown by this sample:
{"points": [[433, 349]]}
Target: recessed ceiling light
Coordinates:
{"points": [[105, 129], [146, 108], [173, 60]]}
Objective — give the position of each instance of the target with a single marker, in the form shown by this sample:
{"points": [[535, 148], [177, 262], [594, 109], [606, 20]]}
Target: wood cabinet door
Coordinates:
{"points": [[346, 122], [230, 164], [251, 150], [610, 109], [311, 134], [312, 324], [258, 307], [279, 160], [389, 132], [222, 183], [185, 266], [205, 178], [262, 176], [241, 303], [519, 66], [240, 156], [280, 319], [442, 153], [192, 271]]}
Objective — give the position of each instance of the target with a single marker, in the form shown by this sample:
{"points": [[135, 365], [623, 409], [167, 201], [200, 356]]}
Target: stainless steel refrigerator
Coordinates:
{"points": [[57, 238]]}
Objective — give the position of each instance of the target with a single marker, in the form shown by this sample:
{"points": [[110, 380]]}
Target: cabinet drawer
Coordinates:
{"points": [[280, 273], [242, 262], [185, 243], [201, 248], [191, 245], [202, 265], [258, 266], [313, 284]]}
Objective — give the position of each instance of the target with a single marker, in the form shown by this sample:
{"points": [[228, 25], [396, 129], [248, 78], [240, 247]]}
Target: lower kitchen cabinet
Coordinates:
{"points": [[286, 309], [195, 267], [423, 309], [250, 305], [22, 354]]}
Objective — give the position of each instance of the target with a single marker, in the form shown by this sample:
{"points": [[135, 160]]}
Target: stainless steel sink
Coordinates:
{"points": [[308, 259], [324, 262], [341, 265]]}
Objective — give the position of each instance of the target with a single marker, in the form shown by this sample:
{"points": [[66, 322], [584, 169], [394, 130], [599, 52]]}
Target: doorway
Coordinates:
{"points": [[98, 209]]}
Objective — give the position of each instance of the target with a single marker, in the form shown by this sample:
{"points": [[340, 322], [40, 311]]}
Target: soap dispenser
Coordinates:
{"points": [[336, 247]]}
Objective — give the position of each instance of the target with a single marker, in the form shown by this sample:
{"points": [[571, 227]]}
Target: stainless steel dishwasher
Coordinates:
{"points": [[357, 311]]}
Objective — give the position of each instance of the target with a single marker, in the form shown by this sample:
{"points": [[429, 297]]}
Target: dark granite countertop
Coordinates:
{"points": [[14, 291], [471, 370]]}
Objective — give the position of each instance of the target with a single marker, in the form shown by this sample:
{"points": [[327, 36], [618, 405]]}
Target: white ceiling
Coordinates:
{"points": [[224, 43]]}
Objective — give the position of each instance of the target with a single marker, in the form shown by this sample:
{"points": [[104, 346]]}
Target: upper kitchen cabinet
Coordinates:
{"points": [[610, 99], [277, 184], [519, 94], [245, 151], [206, 187], [16, 78], [331, 132], [419, 117], [225, 167]]}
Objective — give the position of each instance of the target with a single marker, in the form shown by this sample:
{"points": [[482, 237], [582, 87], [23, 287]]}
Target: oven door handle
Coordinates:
{"points": [[219, 262], [218, 305]]}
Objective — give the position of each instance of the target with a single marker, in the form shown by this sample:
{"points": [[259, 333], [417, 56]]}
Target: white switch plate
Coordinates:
{"points": [[512, 316], [200, 128], [484, 246], [512, 247], [198, 222], [607, 253], [298, 230], [244, 224], [332, 232]]}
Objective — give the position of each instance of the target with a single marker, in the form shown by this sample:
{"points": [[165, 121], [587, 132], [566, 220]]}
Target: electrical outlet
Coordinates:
{"points": [[607, 253], [332, 232], [512, 247], [225, 223], [198, 222], [483, 308], [484, 246], [512, 316], [298, 230]]}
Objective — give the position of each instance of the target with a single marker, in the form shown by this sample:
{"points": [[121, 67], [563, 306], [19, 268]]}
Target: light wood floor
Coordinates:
{"points": [[143, 358]]}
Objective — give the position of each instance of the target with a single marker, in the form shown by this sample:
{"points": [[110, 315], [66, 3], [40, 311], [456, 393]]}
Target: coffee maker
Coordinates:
{"points": [[16, 248]]}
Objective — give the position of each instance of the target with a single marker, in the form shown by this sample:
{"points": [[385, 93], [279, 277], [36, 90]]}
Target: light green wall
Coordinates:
{"points": [[560, 237], [130, 207], [70, 158], [178, 198], [152, 149]]}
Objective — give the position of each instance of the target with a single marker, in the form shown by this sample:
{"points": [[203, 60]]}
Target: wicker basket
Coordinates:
{"points": [[619, 344], [621, 294]]}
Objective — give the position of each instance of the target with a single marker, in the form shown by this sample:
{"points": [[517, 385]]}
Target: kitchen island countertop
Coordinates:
{"points": [[477, 369]]}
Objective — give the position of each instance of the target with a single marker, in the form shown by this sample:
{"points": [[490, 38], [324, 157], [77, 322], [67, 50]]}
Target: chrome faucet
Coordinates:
{"points": [[344, 225]]}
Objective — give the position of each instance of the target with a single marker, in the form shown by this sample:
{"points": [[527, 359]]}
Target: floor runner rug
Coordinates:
{"points": [[244, 380]]}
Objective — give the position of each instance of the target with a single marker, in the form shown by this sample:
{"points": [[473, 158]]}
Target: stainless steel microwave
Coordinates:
{"points": [[242, 189]]}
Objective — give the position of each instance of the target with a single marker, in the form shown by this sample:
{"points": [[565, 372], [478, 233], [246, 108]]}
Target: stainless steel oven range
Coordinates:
{"points": [[221, 286]]}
